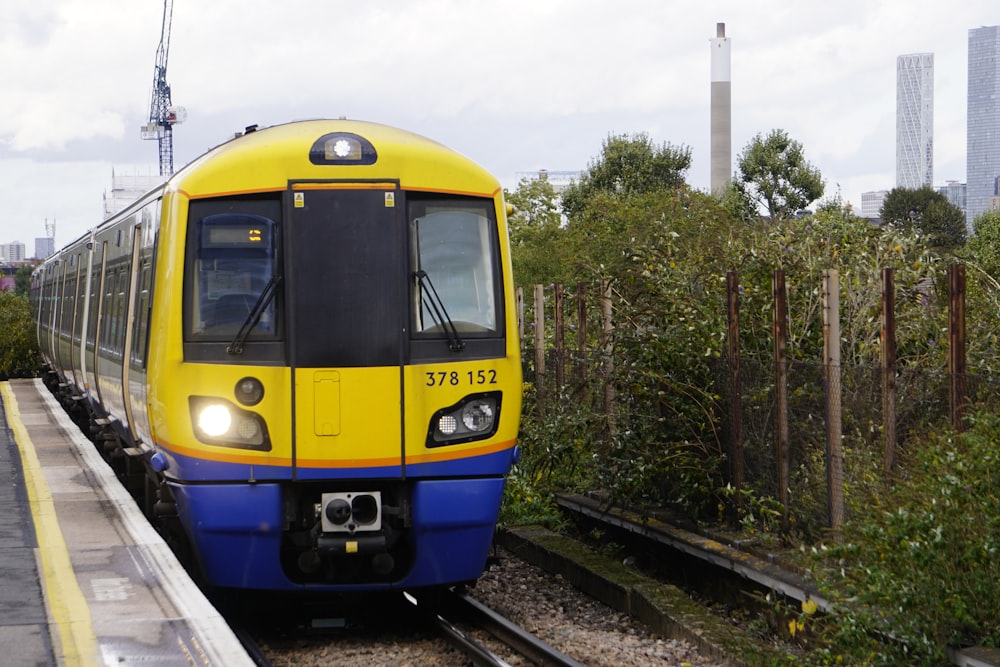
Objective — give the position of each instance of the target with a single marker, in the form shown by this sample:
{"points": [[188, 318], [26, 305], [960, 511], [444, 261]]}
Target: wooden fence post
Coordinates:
{"points": [[609, 362], [888, 358], [558, 325], [780, 322], [540, 348], [834, 446], [735, 388], [956, 345], [581, 332]]}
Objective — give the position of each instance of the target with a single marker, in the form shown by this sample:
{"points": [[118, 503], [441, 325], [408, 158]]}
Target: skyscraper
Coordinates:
{"points": [[982, 151], [915, 120]]}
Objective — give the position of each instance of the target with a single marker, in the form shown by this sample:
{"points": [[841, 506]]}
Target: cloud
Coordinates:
{"points": [[516, 85]]}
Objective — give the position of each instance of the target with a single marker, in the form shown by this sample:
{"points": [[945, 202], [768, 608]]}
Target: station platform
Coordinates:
{"points": [[86, 579]]}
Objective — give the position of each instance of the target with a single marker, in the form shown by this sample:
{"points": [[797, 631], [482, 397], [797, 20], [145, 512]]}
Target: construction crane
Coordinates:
{"points": [[162, 114]]}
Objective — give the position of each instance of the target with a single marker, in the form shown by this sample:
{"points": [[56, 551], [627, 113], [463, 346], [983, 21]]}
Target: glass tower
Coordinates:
{"points": [[915, 120], [983, 122]]}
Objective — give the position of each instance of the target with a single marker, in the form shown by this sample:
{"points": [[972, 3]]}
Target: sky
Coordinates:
{"points": [[516, 85]]}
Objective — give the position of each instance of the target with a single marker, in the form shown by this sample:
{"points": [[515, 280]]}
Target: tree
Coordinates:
{"points": [[984, 248], [627, 166], [775, 174], [927, 212], [18, 347], [738, 203], [22, 279], [535, 232]]}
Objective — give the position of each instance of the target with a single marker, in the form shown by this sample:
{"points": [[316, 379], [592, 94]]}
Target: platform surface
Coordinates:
{"points": [[85, 579]]}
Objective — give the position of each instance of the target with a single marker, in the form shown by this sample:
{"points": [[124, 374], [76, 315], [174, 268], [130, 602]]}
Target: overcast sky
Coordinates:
{"points": [[517, 85]]}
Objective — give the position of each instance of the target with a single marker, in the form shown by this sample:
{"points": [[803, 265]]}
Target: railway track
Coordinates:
{"points": [[536, 619], [443, 628], [455, 609]]}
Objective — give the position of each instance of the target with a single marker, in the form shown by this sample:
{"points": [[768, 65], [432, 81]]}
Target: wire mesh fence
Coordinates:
{"points": [[632, 416]]}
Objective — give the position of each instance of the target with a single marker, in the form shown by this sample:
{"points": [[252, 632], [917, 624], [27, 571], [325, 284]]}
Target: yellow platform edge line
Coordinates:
{"points": [[69, 611]]}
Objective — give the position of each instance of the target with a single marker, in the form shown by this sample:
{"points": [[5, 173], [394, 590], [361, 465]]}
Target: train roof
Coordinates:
{"points": [[267, 159]]}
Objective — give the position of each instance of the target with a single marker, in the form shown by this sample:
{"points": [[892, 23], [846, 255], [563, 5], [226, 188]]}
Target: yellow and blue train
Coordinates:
{"points": [[304, 344]]}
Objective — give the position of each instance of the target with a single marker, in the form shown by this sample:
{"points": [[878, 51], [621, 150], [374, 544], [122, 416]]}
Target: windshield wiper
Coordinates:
{"points": [[266, 295], [438, 312]]}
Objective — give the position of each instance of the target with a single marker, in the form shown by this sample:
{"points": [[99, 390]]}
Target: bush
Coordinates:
{"points": [[924, 566], [18, 345]]}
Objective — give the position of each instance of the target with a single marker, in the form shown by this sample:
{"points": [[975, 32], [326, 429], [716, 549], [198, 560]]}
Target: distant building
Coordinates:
{"points": [[559, 180], [982, 152], [871, 203], [721, 116], [915, 120], [12, 252], [45, 247], [954, 192], [127, 187]]}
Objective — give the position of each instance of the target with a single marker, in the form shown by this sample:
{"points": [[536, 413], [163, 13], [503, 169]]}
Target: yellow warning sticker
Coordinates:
{"points": [[390, 199], [300, 199]]}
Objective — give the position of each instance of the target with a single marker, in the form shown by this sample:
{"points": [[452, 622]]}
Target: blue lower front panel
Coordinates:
{"points": [[453, 522], [236, 532]]}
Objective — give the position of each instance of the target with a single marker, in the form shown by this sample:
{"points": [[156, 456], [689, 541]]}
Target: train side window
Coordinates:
{"points": [[69, 299], [108, 308], [117, 333], [142, 315]]}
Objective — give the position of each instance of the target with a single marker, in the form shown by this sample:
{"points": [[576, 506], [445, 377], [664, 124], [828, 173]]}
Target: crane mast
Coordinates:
{"points": [[162, 114]]}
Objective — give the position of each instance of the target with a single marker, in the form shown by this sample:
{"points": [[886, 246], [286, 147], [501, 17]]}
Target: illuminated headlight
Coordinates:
{"points": [[447, 424], [219, 422], [475, 417], [214, 420]]}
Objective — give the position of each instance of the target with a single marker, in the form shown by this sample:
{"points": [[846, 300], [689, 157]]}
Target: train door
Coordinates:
{"points": [[344, 266], [99, 328]]}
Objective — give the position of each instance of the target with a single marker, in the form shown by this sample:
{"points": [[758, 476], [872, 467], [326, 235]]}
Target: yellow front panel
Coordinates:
{"points": [[357, 409], [326, 403], [172, 419], [431, 387]]}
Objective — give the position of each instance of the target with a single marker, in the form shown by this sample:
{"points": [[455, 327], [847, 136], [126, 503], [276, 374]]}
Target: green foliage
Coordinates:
{"points": [[22, 279], [556, 455], [667, 251], [738, 203], [775, 174], [536, 233], [923, 565], [927, 212], [983, 249], [18, 346], [627, 166]]}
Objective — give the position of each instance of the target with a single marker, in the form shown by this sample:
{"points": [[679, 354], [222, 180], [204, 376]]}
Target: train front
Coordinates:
{"points": [[337, 398]]}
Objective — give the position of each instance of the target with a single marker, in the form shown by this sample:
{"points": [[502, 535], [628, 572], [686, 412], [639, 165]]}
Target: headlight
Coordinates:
{"points": [[249, 391], [214, 420], [219, 422], [475, 417]]}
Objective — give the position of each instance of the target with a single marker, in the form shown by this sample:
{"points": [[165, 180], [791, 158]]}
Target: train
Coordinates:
{"points": [[301, 350]]}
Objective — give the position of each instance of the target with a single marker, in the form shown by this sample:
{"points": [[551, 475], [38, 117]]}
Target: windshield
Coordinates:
{"points": [[453, 247], [234, 260]]}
